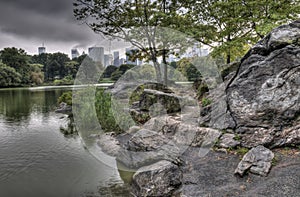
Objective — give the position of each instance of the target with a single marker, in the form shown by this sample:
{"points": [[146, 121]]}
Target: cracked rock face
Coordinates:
{"points": [[159, 179], [264, 96], [258, 161]]}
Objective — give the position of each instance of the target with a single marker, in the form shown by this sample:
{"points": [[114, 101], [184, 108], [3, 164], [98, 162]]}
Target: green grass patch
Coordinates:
{"points": [[206, 101]]}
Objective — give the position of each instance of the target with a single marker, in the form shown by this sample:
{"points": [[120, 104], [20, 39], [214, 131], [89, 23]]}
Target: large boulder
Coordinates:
{"points": [[146, 140], [258, 161], [159, 179], [170, 101], [264, 96], [162, 138]]}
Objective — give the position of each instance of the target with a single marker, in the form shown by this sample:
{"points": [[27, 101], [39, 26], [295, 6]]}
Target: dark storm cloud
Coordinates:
{"points": [[46, 20], [51, 7]]}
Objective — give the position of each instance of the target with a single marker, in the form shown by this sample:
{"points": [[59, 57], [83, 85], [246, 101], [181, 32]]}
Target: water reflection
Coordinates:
{"points": [[36, 159], [18, 104]]}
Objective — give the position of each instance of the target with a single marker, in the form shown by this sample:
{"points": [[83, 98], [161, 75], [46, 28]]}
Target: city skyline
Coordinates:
{"points": [[29, 24]]}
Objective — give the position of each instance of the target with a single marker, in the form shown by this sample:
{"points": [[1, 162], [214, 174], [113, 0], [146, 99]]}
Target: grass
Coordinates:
{"points": [[205, 101], [275, 160], [241, 150], [237, 137]]}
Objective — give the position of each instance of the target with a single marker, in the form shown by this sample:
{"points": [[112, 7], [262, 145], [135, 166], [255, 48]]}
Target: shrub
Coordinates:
{"points": [[104, 112], [66, 97]]}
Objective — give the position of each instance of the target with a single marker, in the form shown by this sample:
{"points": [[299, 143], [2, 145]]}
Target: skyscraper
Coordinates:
{"points": [[42, 50], [108, 60], [97, 54], [116, 58], [74, 53]]}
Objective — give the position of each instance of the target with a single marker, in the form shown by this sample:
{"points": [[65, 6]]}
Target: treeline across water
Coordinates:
{"points": [[18, 69]]}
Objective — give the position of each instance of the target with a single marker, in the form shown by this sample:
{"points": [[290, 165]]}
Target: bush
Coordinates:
{"points": [[66, 97], [105, 116], [109, 71], [65, 81], [116, 75]]}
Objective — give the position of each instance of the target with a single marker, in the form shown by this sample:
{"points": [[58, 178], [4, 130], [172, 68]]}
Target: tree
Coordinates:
{"points": [[14, 57], [230, 27], [8, 76], [139, 22], [80, 58], [43, 59], [123, 68], [52, 70], [36, 74], [188, 69], [60, 60], [109, 70], [19, 60], [72, 68]]}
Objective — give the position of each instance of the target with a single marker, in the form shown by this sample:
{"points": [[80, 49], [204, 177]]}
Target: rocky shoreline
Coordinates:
{"points": [[257, 110]]}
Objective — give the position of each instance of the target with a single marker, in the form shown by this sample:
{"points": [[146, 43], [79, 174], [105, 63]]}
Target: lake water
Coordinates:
{"points": [[36, 159]]}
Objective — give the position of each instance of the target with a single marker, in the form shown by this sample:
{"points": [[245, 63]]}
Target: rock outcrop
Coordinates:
{"points": [[258, 106], [258, 161], [263, 97], [228, 140], [162, 138], [213, 175], [159, 179]]}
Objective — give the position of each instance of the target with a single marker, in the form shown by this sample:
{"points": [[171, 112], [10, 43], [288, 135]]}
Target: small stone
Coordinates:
{"points": [[227, 141], [258, 161]]}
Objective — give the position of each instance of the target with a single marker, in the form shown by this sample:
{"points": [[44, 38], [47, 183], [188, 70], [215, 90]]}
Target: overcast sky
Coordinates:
{"points": [[27, 24]]}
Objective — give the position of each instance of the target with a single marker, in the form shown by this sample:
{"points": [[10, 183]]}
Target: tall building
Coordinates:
{"points": [[97, 54], [42, 50], [74, 53], [116, 58], [122, 61], [108, 60]]}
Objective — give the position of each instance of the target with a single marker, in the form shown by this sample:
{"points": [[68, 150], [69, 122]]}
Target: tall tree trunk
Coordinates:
{"points": [[228, 57], [229, 50], [165, 64], [165, 54], [157, 72]]}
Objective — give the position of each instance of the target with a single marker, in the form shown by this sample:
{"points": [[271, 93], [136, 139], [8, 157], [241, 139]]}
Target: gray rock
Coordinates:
{"points": [[109, 144], [165, 138], [212, 176], [217, 114], [227, 141], [170, 101], [263, 97], [146, 140], [160, 179], [258, 160], [64, 108]]}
